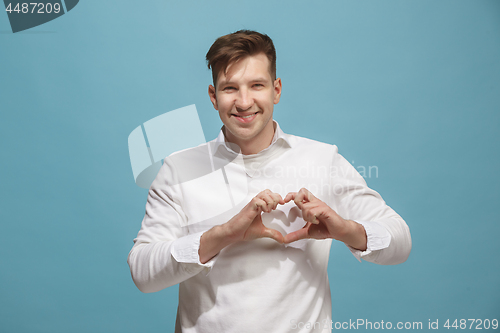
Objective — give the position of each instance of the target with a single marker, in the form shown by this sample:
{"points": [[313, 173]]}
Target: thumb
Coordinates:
{"points": [[297, 235], [274, 234]]}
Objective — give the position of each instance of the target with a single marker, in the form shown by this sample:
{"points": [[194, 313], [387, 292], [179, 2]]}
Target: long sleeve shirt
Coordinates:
{"points": [[260, 285]]}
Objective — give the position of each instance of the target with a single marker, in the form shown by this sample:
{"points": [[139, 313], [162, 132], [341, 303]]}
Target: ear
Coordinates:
{"points": [[213, 97], [277, 90]]}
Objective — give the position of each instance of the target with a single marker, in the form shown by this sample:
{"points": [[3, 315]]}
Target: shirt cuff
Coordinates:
{"points": [[185, 250], [378, 238]]}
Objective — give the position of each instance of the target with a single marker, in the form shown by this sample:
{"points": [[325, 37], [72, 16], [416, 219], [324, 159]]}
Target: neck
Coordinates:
{"points": [[256, 144]]}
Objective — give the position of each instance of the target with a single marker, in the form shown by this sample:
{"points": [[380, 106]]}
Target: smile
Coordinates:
{"points": [[247, 118], [244, 117]]}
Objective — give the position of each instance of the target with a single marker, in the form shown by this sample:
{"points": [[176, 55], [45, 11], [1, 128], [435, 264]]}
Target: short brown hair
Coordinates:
{"points": [[230, 48]]}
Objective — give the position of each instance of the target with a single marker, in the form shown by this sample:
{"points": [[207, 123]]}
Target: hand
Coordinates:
{"points": [[323, 222], [247, 224], [244, 226]]}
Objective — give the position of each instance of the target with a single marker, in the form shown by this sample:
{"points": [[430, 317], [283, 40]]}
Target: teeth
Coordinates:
{"points": [[248, 116]]}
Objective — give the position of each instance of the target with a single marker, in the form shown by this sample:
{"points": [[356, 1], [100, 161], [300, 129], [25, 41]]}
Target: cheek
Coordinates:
{"points": [[268, 101], [223, 115], [224, 104]]}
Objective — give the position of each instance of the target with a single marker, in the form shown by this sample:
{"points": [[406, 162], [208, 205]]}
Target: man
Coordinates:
{"points": [[259, 265]]}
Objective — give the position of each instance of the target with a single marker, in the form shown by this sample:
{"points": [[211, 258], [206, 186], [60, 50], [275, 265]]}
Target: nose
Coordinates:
{"points": [[244, 100]]}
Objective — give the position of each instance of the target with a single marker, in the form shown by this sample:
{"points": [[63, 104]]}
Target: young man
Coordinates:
{"points": [[259, 265]]}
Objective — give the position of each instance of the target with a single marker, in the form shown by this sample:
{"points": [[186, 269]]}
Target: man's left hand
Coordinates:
{"points": [[323, 222]]}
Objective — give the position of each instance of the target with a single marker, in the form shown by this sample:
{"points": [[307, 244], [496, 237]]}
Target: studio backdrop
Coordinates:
{"points": [[408, 90]]}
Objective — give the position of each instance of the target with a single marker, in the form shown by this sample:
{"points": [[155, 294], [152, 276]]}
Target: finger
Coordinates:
{"points": [[279, 200], [310, 215], [298, 200], [259, 204], [290, 196], [313, 218], [274, 234], [272, 199], [302, 197], [265, 196], [311, 212], [306, 195], [297, 235]]}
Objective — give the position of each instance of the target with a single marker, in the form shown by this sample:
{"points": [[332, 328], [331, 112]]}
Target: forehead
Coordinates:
{"points": [[254, 67]]}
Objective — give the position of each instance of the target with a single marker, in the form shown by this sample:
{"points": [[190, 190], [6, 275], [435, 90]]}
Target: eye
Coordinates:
{"points": [[229, 88], [258, 85]]}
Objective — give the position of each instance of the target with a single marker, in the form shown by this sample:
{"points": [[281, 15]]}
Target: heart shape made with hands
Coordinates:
{"points": [[285, 218], [308, 218]]}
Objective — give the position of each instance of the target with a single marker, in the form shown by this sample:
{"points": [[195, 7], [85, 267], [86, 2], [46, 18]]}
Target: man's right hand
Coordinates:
{"points": [[244, 226]]}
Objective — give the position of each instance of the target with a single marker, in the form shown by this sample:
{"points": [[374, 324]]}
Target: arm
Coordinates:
{"points": [[362, 220], [165, 253], [171, 257], [389, 239]]}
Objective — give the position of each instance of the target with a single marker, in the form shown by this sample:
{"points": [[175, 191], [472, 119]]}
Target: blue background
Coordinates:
{"points": [[411, 87]]}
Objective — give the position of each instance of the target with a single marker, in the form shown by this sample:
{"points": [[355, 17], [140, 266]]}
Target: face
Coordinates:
{"points": [[245, 98]]}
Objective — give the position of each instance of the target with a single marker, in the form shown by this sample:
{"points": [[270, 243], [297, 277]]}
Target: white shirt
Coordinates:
{"points": [[260, 285]]}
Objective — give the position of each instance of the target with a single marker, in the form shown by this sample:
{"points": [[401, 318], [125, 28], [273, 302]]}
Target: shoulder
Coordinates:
{"points": [[192, 162], [184, 165], [310, 144], [190, 150]]}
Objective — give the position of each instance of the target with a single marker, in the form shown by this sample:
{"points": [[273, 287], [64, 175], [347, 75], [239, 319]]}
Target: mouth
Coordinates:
{"points": [[245, 118]]}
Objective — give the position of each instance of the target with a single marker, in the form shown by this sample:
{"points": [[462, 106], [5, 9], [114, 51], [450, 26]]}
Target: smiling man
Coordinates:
{"points": [[245, 96], [261, 265]]}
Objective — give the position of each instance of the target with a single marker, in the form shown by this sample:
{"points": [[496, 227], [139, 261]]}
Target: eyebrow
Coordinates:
{"points": [[259, 79]]}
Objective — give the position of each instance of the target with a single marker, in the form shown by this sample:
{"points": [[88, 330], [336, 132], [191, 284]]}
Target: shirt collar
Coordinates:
{"points": [[279, 135]]}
